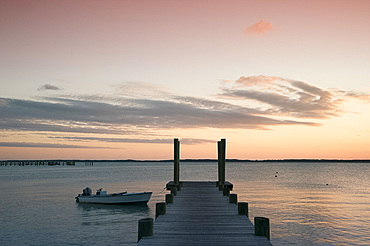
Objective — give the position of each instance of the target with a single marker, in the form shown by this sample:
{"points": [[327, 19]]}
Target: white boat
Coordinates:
{"points": [[102, 197]]}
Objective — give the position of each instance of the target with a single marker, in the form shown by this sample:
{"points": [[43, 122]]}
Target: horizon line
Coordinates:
{"points": [[200, 160]]}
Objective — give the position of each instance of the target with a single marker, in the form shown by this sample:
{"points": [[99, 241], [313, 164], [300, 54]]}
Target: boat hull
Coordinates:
{"points": [[127, 198]]}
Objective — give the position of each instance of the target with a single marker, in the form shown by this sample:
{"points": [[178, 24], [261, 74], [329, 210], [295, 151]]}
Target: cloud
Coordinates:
{"points": [[49, 87], [187, 141], [363, 96], [250, 102], [256, 80], [130, 116], [258, 102], [142, 90], [286, 97], [259, 28], [47, 145]]}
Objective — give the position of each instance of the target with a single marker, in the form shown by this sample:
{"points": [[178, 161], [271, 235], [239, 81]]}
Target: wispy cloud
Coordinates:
{"points": [[47, 87], [47, 145], [256, 80], [292, 98], [187, 141], [250, 102], [363, 96], [131, 115], [259, 28]]}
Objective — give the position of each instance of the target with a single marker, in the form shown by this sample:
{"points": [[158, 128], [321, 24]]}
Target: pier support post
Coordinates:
{"points": [[219, 163], [160, 208], [226, 191], [243, 208], [174, 191], [233, 198], [223, 160], [169, 198], [262, 227], [145, 228], [176, 162], [221, 151]]}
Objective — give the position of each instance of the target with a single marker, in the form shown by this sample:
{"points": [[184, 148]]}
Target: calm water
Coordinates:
{"points": [[307, 203]]}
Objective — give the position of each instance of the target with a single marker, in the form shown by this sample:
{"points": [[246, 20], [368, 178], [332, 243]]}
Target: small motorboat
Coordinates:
{"points": [[101, 197]]}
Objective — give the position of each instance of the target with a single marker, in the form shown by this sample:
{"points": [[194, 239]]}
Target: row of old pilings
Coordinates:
{"points": [[261, 224], [36, 163], [145, 226], [89, 163]]}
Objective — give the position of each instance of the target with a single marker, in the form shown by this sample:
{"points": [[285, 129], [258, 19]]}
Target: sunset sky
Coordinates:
{"points": [[119, 79]]}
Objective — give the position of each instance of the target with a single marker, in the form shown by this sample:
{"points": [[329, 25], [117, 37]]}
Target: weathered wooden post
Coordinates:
{"points": [[243, 208], [176, 161], [262, 227], [145, 228], [233, 198], [160, 209], [219, 163], [169, 198], [226, 191], [223, 160], [173, 191]]}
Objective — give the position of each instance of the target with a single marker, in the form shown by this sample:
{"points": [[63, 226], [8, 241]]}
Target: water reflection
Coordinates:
{"points": [[103, 214], [133, 208]]}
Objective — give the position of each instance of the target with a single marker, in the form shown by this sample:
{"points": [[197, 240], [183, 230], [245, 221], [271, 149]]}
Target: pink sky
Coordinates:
{"points": [[121, 79]]}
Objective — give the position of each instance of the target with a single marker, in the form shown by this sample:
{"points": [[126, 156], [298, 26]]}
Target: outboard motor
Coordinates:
{"points": [[88, 191]]}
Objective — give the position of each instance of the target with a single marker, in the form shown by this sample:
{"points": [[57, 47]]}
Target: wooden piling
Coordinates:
{"points": [[223, 160], [233, 198], [176, 161], [173, 191], [218, 183], [145, 228], [243, 208], [226, 191], [262, 227], [160, 209], [169, 198]]}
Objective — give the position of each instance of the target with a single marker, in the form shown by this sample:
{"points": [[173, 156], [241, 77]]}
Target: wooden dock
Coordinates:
{"points": [[202, 215]]}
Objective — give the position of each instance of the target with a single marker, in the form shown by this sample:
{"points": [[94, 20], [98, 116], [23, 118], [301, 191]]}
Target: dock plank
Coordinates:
{"points": [[201, 215]]}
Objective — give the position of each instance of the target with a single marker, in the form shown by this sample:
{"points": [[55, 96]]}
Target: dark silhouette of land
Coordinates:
{"points": [[237, 160], [205, 160]]}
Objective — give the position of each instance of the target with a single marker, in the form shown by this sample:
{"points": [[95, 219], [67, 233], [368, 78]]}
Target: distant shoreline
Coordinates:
{"points": [[212, 160], [238, 160]]}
